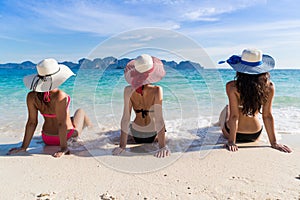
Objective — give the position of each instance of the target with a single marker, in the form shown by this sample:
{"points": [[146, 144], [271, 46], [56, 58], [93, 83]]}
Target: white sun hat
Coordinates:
{"points": [[50, 76], [252, 61], [143, 70]]}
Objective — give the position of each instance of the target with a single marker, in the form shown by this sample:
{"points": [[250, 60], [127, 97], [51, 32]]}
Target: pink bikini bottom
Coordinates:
{"points": [[54, 139]]}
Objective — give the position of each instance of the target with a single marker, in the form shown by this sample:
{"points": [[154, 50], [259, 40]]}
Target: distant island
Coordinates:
{"points": [[98, 63]]}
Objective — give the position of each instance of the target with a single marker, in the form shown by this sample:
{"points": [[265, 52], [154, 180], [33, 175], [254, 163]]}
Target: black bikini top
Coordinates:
{"points": [[144, 112]]}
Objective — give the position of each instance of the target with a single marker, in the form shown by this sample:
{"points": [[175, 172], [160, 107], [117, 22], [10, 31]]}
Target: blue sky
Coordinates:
{"points": [[72, 29]]}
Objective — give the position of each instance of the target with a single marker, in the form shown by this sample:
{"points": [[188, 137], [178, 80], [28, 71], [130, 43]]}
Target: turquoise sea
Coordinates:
{"points": [[181, 88], [192, 99]]}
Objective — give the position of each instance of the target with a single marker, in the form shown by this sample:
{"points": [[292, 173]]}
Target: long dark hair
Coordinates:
{"points": [[254, 91]]}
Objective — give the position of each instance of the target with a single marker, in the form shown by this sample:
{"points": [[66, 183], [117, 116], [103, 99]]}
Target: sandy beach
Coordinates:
{"points": [[200, 44], [198, 168], [256, 171]]}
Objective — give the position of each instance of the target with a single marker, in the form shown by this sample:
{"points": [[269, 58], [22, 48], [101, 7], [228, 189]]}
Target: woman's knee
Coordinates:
{"points": [[80, 111]]}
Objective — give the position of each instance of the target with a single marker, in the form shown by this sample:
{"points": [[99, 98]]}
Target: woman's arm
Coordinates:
{"points": [[233, 115], [158, 117], [124, 121], [160, 124], [30, 125], [61, 112], [269, 121]]}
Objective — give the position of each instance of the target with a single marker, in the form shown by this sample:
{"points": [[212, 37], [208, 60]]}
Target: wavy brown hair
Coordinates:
{"points": [[254, 91]]}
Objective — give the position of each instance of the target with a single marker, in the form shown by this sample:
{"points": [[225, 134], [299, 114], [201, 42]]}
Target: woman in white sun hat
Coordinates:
{"points": [[250, 94], [53, 104], [146, 100]]}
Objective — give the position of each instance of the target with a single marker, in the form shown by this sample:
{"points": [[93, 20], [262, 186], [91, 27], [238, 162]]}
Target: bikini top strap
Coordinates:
{"points": [[69, 100], [54, 115], [144, 112]]}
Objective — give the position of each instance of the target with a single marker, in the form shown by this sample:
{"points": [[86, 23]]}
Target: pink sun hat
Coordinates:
{"points": [[145, 69]]}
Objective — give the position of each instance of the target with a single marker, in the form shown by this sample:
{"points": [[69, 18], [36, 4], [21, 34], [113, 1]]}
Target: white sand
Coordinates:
{"points": [[256, 171]]}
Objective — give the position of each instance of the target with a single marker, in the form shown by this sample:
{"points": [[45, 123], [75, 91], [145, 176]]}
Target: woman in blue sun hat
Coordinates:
{"points": [[249, 94]]}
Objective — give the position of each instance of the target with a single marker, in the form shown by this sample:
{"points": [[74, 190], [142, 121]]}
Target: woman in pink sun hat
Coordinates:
{"points": [[53, 105], [146, 101], [250, 94]]}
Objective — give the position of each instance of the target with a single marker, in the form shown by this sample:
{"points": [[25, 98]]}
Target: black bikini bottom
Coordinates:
{"points": [[245, 137], [142, 137]]}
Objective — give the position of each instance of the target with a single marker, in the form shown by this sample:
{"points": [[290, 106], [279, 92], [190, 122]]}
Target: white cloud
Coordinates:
{"points": [[212, 11], [148, 38], [161, 2], [106, 18], [12, 38], [92, 17], [136, 45], [200, 14], [130, 37], [137, 37], [283, 28]]}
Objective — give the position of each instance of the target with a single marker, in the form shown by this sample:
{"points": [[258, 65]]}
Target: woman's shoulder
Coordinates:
{"points": [[31, 96], [231, 86], [154, 87], [271, 87], [128, 89], [231, 83], [60, 95]]}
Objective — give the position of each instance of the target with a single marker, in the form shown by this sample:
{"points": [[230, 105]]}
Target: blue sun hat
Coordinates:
{"points": [[252, 61]]}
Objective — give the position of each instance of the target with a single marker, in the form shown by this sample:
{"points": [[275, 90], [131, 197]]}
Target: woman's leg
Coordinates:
{"points": [[80, 121]]}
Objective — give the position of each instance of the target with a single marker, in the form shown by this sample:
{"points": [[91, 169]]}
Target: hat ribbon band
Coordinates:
{"points": [[43, 78], [237, 59], [253, 64], [50, 74]]}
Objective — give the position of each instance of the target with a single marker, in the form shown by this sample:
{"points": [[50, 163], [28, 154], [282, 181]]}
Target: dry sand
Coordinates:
{"points": [[256, 171]]}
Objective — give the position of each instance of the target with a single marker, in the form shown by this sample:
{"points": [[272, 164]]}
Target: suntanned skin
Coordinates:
{"points": [[238, 122], [60, 125], [151, 100]]}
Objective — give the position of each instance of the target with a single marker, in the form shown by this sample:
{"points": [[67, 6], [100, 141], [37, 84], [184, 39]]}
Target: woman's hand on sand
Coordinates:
{"points": [[61, 153], [163, 152], [117, 151], [281, 147], [16, 150], [231, 146]]}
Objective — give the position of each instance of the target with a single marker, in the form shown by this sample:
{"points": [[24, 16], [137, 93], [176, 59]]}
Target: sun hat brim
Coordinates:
{"points": [[268, 63], [153, 76], [50, 82]]}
